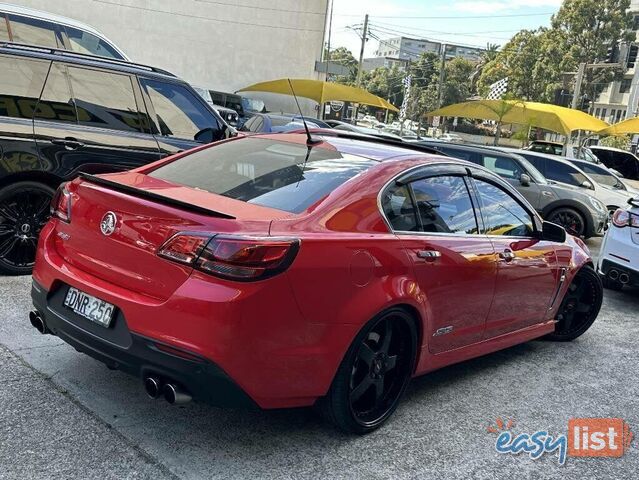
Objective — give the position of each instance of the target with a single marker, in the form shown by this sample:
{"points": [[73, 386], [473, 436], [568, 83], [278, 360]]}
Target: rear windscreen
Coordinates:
{"points": [[282, 175]]}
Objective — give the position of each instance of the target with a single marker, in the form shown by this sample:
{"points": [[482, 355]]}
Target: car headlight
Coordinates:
{"points": [[600, 207]]}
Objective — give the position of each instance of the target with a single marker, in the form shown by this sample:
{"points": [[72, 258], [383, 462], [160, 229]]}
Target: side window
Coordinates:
{"points": [[563, 173], [104, 99], [502, 214], [33, 31], [461, 154], [179, 112], [21, 81], [399, 209], [444, 205], [503, 166], [84, 42], [4, 28], [538, 162], [629, 165], [56, 102]]}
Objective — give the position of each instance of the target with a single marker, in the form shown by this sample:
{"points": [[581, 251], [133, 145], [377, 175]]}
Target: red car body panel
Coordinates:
{"points": [[282, 339]]}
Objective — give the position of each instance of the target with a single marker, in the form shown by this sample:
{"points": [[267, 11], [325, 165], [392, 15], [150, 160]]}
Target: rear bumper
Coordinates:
{"points": [[140, 356], [608, 265]]}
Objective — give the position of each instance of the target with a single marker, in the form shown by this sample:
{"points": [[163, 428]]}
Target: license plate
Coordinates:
{"points": [[90, 307]]}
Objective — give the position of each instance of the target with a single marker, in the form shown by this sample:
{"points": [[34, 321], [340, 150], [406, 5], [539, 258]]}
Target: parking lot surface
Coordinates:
{"points": [[64, 415]]}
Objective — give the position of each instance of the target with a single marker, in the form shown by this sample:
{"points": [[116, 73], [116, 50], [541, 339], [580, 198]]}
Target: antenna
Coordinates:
{"points": [[309, 139]]}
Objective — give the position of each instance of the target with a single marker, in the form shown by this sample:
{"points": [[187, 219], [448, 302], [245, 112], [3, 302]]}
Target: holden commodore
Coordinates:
{"points": [[289, 271]]}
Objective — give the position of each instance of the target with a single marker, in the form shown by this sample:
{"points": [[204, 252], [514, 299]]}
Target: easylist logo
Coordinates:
{"points": [[598, 437]]}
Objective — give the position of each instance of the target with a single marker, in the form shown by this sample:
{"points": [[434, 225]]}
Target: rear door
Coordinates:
{"points": [[90, 120], [511, 171], [180, 118], [527, 273], [454, 264]]}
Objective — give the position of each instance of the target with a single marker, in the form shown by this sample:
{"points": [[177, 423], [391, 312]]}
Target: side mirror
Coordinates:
{"points": [[587, 184], [553, 232], [207, 135], [525, 180]]}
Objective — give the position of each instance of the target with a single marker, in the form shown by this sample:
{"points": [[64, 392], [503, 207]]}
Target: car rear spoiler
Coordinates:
{"points": [[137, 192]]}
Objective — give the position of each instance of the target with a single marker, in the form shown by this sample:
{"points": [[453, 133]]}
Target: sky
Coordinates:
{"points": [[466, 21]]}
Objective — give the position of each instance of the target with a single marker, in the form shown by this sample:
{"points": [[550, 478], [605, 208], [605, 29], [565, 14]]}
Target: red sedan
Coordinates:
{"points": [[281, 272]]}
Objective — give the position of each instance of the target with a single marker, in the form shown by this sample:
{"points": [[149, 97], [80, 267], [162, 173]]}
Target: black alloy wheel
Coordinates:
{"points": [[570, 219], [24, 210], [374, 374], [580, 306]]}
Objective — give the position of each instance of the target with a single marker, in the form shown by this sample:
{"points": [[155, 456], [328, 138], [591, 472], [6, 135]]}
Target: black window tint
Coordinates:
{"points": [[265, 172], [538, 162], [503, 166], [399, 209], [601, 175], [84, 42], [104, 99], [34, 32], [179, 112], [444, 205], [502, 214], [4, 29], [627, 164], [21, 82], [560, 172], [56, 102]]}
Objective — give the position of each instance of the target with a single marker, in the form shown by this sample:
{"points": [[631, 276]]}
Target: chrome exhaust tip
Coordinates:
{"points": [[613, 274], [38, 322], [624, 278], [153, 387], [175, 395]]}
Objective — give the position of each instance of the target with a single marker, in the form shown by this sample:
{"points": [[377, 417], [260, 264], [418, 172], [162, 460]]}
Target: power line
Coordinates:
{"points": [[456, 17], [270, 9]]}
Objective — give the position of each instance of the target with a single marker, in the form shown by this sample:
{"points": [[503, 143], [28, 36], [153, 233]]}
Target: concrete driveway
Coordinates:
{"points": [[64, 415]]}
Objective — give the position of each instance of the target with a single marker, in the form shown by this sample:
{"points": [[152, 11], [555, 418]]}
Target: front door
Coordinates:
{"points": [[454, 264], [528, 273]]}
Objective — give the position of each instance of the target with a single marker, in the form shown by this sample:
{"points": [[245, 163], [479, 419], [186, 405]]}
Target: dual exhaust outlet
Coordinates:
{"points": [[617, 276], [155, 387]]}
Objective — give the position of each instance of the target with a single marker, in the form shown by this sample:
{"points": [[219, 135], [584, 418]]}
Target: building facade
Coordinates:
{"points": [[407, 49], [222, 45]]}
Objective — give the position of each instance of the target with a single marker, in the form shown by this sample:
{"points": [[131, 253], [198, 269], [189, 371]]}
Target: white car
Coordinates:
{"points": [[618, 262], [566, 173], [451, 137]]}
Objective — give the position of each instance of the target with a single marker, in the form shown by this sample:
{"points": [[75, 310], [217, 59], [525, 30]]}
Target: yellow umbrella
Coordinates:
{"points": [[550, 117], [321, 92], [622, 128]]}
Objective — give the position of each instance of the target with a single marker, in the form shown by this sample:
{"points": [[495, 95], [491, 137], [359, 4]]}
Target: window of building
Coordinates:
{"points": [[624, 86], [612, 115], [597, 112], [618, 116], [604, 112], [104, 99], [21, 82], [635, 23]]}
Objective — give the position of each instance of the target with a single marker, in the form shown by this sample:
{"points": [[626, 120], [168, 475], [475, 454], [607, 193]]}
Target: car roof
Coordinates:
{"points": [[612, 149], [60, 55], [547, 142]]}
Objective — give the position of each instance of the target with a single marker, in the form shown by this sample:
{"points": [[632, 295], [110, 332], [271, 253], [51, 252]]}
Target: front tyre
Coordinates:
{"points": [[580, 306], [24, 210], [569, 218], [373, 374]]}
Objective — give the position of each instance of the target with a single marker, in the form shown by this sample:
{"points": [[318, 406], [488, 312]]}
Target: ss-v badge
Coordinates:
{"points": [[64, 236], [443, 331], [108, 223]]}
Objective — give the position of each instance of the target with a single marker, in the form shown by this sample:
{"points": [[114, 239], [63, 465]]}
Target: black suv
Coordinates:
{"points": [[62, 113]]}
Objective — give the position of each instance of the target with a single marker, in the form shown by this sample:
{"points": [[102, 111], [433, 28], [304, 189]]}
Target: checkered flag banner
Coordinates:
{"points": [[408, 79], [498, 89]]}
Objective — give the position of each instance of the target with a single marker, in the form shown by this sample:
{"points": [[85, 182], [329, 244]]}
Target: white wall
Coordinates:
{"points": [[217, 44]]}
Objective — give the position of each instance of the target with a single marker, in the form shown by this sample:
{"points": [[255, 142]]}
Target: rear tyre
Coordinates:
{"points": [[580, 306], [24, 210], [373, 375], [570, 219]]}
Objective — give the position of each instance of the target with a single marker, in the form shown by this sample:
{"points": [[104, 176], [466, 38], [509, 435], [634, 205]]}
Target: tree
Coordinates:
{"points": [[344, 57], [487, 56], [457, 84]]}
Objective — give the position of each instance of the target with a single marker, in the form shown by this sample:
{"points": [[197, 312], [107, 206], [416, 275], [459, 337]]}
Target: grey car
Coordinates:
{"points": [[579, 213]]}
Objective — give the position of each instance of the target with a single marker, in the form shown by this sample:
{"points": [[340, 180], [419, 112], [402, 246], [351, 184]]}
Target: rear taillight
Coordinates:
{"points": [[61, 204], [232, 257], [623, 218]]}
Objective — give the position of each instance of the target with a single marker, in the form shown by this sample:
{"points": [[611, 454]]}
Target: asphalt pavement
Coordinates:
{"points": [[64, 415]]}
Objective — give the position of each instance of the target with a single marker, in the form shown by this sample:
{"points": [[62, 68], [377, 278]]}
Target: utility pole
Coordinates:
{"points": [[361, 52], [633, 98], [442, 69], [578, 81], [327, 59]]}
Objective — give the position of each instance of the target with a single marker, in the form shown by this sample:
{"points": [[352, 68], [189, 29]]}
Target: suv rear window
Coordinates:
{"points": [[266, 172]]}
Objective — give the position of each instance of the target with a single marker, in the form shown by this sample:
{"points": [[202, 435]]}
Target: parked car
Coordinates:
{"points": [[606, 176], [619, 258], [578, 212], [347, 127], [244, 106], [566, 173], [556, 148], [230, 116], [451, 137], [34, 27], [622, 161], [207, 275], [278, 123], [119, 116]]}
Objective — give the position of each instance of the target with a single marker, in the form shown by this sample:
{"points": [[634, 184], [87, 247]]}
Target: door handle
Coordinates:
{"points": [[507, 255], [429, 255], [68, 143]]}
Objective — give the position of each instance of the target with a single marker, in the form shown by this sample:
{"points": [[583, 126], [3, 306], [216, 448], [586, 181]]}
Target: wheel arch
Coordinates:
{"points": [[575, 205], [45, 178]]}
